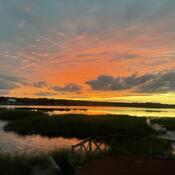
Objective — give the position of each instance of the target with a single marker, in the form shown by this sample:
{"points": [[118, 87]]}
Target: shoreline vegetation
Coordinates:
{"points": [[66, 102], [26, 122]]}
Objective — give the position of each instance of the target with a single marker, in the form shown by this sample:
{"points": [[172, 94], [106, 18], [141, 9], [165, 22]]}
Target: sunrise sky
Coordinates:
{"points": [[114, 50]]}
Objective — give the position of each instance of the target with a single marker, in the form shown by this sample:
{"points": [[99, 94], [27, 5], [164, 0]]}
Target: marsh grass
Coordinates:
{"points": [[73, 125], [27, 122], [17, 114], [22, 164], [17, 164]]}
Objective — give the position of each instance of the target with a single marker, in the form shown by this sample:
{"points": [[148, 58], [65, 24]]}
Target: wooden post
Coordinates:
{"points": [[90, 146]]}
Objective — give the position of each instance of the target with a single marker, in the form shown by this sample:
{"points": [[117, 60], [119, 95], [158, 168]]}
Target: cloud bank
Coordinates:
{"points": [[70, 88], [148, 83], [9, 82], [64, 41]]}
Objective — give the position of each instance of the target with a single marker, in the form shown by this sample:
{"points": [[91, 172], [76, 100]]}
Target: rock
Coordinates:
{"points": [[52, 165], [51, 169]]}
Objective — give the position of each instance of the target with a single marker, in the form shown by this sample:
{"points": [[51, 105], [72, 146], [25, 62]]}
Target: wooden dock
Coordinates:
{"points": [[117, 142]]}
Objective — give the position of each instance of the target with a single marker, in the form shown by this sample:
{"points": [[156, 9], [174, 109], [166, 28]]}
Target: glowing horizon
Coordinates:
{"points": [[104, 50]]}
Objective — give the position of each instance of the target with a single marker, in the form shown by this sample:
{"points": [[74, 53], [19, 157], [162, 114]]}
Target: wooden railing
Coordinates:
{"points": [[90, 146], [126, 144]]}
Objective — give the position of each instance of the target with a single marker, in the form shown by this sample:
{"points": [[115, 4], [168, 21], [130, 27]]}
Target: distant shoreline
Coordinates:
{"points": [[65, 102]]}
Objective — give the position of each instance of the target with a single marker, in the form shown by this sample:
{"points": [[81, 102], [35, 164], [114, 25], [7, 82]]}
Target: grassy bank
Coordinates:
{"points": [[14, 165], [22, 164], [73, 125]]}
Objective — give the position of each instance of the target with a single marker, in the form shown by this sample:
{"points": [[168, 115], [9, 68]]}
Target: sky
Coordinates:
{"points": [[112, 50]]}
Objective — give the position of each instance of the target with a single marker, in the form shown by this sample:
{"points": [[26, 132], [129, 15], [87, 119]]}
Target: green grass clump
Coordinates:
{"points": [[17, 164], [17, 114], [22, 164], [74, 125]]}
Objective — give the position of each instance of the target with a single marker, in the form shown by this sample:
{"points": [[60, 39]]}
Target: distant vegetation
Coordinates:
{"points": [[64, 102], [27, 122]]}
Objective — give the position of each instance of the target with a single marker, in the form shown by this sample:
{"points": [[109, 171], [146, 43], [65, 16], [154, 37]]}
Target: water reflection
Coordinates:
{"points": [[102, 110], [12, 143], [140, 112]]}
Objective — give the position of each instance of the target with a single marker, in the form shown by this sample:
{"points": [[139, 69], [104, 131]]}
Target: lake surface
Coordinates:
{"points": [[94, 110], [12, 143]]}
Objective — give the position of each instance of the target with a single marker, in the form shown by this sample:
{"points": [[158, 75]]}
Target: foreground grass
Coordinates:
{"points": [[73, 125], [22, 164], [14, 165]]}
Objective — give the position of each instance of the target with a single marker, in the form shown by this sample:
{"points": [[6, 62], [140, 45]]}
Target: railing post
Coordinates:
{"points": [[90, 146], [167, 147], [105, 147]]}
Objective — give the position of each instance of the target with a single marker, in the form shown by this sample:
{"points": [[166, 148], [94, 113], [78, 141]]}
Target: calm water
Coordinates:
{"points": [[12, 143], [91, 110]]}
